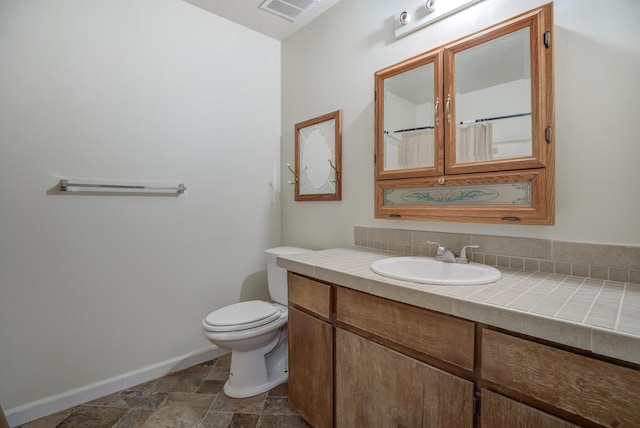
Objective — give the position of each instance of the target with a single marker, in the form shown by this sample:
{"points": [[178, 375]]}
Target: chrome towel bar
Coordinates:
{"points": [[65, 185]]}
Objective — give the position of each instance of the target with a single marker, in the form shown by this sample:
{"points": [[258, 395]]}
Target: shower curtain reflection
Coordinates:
{"points": [[417, 149]]}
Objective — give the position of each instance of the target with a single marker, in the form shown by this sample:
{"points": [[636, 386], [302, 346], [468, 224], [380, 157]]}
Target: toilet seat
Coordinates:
{"points": [[241, 316]]}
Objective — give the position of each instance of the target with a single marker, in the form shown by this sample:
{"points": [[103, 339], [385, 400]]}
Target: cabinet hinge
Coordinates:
{"points": [[374, 159], [547, 134], [546, 38], [476, 403]]}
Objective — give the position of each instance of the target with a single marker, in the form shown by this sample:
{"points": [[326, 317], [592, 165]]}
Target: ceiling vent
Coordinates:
{"points": [[288, 9]]}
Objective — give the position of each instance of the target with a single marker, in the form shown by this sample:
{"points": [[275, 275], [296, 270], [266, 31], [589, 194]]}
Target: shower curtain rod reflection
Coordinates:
{"points": [[66, 186], [465, 122]]}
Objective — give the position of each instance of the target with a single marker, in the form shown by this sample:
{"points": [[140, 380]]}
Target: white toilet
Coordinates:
{"points": [[256, 333]]}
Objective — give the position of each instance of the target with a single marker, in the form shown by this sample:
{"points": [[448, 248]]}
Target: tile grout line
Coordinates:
{"points": [[619, 314], [568, 299], [593, 302]]}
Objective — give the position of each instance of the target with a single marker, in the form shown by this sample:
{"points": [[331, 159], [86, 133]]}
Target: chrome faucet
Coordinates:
{"points": [[446, 255], [443, 253]]}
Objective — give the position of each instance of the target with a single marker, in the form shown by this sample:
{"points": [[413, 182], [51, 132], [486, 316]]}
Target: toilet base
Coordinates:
{"points": [[232, 392], [258, 371]]}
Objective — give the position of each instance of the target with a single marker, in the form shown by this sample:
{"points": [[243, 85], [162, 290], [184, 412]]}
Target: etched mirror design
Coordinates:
{"points": [[318, 158]]}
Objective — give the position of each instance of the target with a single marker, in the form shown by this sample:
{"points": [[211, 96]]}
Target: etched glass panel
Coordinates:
{"points": [[505, 194], [317, 157]]}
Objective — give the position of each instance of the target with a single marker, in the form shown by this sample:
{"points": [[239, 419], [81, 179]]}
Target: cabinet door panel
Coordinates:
{"points": [[502, 412], [378, 387], [311, 368]]}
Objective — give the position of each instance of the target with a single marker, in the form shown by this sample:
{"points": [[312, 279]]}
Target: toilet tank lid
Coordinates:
{"points": [[273, 253]]}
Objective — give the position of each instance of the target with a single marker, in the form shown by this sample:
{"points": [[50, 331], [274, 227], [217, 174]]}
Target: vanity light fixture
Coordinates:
{"points": [[425, 12]]}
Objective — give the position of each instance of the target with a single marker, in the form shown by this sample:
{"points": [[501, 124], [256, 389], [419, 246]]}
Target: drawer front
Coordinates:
{"points": [[441, 336], [602, 392], [311, 295]]}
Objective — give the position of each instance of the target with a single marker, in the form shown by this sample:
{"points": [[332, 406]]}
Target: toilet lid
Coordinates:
{"points": [[242, 316]]}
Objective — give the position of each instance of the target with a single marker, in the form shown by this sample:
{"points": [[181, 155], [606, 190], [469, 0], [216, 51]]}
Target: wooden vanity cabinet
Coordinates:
{"points": [[359, 360], [311, 350]]}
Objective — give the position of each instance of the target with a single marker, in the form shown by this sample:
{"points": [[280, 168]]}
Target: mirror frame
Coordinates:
{"points": [[336, 144]]}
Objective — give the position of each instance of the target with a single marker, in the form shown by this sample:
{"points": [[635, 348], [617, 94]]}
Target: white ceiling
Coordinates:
{"points": [[248, 13]]}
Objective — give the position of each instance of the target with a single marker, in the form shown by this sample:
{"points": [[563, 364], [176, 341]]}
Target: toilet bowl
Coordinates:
{"points": [[256, 334]]}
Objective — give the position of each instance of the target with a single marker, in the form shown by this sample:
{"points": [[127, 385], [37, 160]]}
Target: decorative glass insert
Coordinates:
{"points": [[504, 194]]}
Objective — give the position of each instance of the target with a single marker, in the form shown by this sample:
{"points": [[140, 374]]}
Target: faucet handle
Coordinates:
{"points": [[440, 249], [462, 258]]}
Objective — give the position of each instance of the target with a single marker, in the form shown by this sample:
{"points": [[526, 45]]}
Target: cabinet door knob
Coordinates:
{"points": [[441, 180]]}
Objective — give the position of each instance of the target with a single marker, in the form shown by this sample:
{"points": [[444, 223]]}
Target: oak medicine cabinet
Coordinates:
{"points": [[464, 132]]}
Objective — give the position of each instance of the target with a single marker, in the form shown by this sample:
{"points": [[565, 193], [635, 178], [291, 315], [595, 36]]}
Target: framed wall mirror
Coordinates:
{"points": [[318, 159]]}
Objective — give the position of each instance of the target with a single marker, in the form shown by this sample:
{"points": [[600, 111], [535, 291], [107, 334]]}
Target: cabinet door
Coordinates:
{"points": [[311, 368], [498, 98], [502, 412], [409, 128], [378, 387]]}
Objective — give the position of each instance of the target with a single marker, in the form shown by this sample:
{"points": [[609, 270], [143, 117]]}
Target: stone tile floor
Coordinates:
{"points": [[191, 398]]}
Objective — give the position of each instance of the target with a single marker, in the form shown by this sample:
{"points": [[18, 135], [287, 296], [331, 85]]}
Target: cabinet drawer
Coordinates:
{"points": [[598, 391], [311, 295], [441, 336]]}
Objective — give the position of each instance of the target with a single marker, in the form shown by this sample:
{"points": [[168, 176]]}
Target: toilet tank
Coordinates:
{"points": [[276, 276]]}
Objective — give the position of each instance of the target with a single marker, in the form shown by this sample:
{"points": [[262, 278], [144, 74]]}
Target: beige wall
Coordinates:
{"points": [[93, 287], [330, 64]]}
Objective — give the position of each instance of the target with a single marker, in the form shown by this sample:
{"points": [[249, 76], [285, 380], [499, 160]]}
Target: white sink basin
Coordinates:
{"points": [[426, 270]]}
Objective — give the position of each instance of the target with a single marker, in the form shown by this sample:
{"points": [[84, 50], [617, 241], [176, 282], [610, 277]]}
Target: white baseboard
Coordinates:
{"points": [[65, 400]]}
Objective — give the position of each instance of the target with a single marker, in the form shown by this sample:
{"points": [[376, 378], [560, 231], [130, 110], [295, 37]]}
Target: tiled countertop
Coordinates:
{"points": [[594, 315]]}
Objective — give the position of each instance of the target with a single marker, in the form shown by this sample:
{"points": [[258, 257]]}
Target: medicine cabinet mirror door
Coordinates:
{"points": [[495, 101], [409, 128]]}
